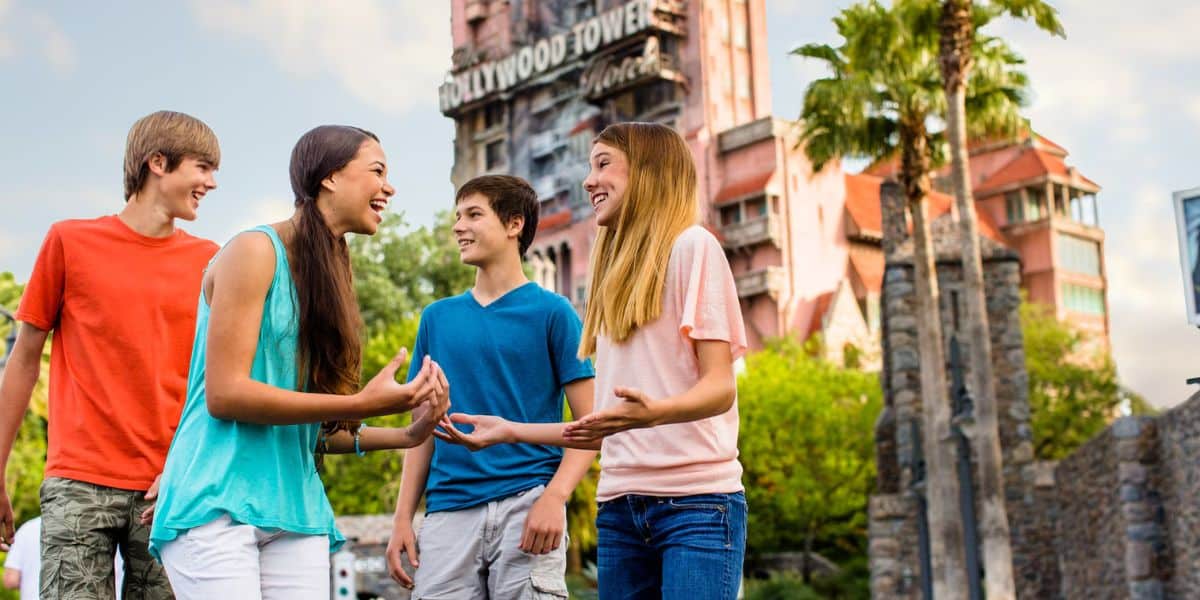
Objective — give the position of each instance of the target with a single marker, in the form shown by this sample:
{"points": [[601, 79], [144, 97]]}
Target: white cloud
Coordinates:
{"points": [[1193, 110], [40, 31], [391, 55], [57, 48], [7, 49]]}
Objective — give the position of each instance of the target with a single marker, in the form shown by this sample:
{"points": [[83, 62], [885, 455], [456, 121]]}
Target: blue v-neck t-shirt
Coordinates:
{"points": [[511, 359]]}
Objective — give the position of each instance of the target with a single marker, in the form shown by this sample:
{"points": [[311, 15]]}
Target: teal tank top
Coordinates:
{"points": [[261, 475]]}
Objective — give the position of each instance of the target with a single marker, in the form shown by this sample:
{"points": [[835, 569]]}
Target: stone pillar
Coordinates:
{"points": [[1032, 541], [894, 572], [1140, 502]]}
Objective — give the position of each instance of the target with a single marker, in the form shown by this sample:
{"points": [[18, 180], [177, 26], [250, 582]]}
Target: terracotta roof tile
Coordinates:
{"points": [[557, 219], [744, 184], [862, 202], [869, 268], [822, 306], [1029, 165]]}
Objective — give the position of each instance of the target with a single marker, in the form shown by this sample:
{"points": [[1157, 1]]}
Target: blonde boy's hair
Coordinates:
{"points": [[174, 135], [629, 261]]}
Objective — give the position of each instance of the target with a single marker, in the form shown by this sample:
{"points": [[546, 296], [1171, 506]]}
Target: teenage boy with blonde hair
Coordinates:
{"points": [[119, 292], [495, 517]]}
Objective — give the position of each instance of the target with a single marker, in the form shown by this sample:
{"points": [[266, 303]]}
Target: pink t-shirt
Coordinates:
{"points": [[700, 303]]}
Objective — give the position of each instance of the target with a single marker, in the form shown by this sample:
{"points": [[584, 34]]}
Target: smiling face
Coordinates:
{"points": [[182, 188], [606, 183], [358, 192], [480, 234]]}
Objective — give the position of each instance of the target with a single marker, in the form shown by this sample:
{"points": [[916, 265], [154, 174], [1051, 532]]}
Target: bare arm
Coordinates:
{"points": [[711, 395], [237, 285], [412, 487], [425, 418], [490, 430], [546, 520], [12, 578], [20, 376]]}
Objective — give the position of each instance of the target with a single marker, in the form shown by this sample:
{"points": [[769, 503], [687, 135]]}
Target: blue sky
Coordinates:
{"points": [[1122, 93]]}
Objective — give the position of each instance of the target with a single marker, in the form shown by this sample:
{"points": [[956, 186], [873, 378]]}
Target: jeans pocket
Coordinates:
{"points": [[709, 502], [705, 515]]}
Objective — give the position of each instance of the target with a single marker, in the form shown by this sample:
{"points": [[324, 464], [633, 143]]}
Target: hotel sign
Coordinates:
{"points": [[584, 38], [609, 74]]}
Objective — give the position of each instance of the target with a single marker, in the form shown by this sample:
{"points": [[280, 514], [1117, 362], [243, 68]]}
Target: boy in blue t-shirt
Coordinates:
{"points": [[495, 516]]}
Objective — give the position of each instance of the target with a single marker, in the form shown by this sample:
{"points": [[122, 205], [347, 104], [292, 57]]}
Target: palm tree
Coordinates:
{"points": [[884, 97], [957, 22]]}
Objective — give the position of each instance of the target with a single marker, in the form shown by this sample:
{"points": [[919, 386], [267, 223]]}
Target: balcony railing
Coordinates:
{"points": [[768, 280], [755, 231], [545, 187], [544, 144]]}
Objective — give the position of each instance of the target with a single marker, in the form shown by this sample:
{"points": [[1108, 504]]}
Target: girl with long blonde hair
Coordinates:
{"points": [[664, 323]]}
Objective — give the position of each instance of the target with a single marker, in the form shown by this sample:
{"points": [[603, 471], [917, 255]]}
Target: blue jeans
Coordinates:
{"points": [[684, 548]]}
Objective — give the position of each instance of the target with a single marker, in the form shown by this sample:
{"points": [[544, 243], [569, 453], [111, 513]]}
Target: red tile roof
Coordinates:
{"points": [[1045, 141], [862, 203], [822, 307], [869, 269], [739, 186], [1031, 164], [557, 219]]}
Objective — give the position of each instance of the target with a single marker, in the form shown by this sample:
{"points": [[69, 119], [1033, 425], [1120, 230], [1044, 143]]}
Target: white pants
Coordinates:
{"points": [[231, 561]]}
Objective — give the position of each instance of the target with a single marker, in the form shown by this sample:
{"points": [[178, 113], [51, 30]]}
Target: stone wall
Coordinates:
{"points": [[1090, 529], [1179, 452], [1119, 518], [1125, 510]]}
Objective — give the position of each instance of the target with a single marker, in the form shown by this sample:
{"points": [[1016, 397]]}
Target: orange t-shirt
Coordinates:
{"points": [[122, 307]]}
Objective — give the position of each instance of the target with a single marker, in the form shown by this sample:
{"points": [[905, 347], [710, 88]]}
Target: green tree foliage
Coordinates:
{"points": [[28, 459], [807, 448], [400, 270], [1074, 392]]}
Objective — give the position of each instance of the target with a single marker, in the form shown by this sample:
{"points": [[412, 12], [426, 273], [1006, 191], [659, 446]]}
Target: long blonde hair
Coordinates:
{"points": [[629, 261]]}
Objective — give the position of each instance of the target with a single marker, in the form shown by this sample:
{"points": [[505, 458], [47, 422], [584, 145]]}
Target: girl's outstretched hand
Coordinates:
{"points": [[636, 411], [488, 431], [383, 395], [427, 416]]}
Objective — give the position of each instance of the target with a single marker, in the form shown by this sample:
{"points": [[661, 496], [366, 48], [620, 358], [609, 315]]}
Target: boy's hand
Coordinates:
{"points": [[403, 541], [634, 412], [544, 524], [151, 494], [488, 431]]}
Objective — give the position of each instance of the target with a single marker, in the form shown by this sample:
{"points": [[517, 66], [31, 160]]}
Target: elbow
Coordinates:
{"points": [[726, 395], [12, 579], [218, 398], [218, 406]]}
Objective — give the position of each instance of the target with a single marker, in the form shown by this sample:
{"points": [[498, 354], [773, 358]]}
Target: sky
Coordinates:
{"points": [[1121, 93]]}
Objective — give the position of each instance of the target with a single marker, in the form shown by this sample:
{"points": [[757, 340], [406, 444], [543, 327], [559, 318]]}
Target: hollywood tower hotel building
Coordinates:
{"points": [[533, 81]]}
